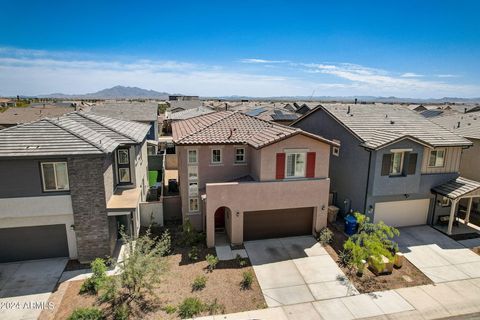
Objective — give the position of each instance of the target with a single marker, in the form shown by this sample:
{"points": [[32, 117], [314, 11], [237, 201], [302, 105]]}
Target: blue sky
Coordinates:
{"points": [[258, 48]]}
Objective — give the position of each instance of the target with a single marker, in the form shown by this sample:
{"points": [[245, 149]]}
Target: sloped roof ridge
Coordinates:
{"points": [[89, 117], [231, 113], [76, 134]]}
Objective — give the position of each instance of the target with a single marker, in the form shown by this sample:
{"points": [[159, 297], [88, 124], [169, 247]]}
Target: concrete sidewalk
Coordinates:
{"points": [[438, 301]]}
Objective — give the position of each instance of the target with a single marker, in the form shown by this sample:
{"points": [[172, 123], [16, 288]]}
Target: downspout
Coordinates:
{"points": [[368, 180]]}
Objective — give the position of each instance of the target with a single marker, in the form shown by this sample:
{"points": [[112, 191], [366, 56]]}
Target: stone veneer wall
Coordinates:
{"points": [[87, 189]]}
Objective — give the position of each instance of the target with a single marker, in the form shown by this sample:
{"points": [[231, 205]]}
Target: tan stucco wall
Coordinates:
{"points": [[470, 163], [268, 155], [253, 196], [261, 166]]}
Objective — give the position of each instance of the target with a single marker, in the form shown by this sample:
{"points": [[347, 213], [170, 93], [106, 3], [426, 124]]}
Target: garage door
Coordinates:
{"points": [[402, 213], [27, 243], [277, 223]]}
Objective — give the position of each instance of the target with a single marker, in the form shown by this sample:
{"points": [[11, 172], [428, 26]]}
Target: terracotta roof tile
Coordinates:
{"points": [[228, 127]]}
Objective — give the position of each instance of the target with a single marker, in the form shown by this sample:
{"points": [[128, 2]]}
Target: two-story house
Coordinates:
{"points": [[250, 178], [69, 184], [391, 161]]}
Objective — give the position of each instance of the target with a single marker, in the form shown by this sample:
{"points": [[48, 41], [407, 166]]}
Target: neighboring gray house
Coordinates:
{"points": [[389, 161], [132, 111], [68, 184], [182, 105]]}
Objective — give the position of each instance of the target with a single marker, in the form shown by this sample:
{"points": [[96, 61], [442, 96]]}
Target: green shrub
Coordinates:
{"points": [[199, 283], [372, 239], [212, 261], [344, 258], [241, 261], [193, 254], [190, 237], [87, 314], [214, 307], [247, 280], [121, 312], [140, 272], [93, 284], [325, 236], [190, 307], [169, 309]]}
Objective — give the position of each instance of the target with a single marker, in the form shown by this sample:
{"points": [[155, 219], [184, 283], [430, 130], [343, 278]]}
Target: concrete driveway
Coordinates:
{"points": [[26, 286], [295, 270], [439, 257]]}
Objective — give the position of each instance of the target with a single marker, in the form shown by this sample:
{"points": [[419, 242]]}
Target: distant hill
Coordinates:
{"points": [[117, 92], [352, 99]]}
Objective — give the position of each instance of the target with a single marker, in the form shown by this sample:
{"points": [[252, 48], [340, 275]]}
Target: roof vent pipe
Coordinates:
{"points": [[458, 124], [355, 100], [348, 110], [465, 110]]}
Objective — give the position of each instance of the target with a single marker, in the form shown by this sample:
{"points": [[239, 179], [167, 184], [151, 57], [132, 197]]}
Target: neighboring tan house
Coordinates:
{"points": [[13, 116], [68, 185], [393, 165], [250, 178], [132, 111], [468, 126]]}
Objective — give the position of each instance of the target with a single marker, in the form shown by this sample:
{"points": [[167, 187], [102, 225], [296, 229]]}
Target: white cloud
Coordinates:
{"points": [[411, 75], [29, 72], [447, 75], [262, 61]]}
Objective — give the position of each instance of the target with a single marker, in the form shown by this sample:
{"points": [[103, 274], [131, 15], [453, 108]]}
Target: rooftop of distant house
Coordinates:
{"points": [[133, 111], [464, 124]]}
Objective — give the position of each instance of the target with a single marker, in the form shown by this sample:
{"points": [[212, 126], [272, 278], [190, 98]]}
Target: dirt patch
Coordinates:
{"points": [[222, 287], [407, 276], [476, 250]]}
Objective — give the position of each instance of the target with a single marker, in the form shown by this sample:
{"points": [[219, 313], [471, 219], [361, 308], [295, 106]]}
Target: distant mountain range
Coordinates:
{"points": [[122, 92], [359, 99], [117, 92]]}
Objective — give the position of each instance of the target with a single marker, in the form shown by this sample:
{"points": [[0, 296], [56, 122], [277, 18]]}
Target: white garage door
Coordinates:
{"points": [[402, 213]]}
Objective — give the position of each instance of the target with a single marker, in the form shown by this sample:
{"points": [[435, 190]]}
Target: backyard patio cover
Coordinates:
{"points": [[460, 188]]}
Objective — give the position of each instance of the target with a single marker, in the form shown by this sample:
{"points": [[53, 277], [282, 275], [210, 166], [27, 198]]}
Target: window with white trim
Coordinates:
{"points": [[295, 165], [240, 155], [55, 176], [336, 151], [193, 189], [396, 164], [193, 205], [216, 156], [192, 173], [437, 158], [192, 156]]}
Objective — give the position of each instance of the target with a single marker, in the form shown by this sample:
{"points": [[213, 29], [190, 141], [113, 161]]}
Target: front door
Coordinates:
{"points": [[220, 218], [123, 166]]}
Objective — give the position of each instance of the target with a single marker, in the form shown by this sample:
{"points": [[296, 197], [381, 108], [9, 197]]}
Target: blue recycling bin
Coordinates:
{"points": [[350, 225]]}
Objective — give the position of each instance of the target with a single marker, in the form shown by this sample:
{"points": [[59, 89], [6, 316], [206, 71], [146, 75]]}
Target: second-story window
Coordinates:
{"points": [[396, 164], [295, 166], [437, 158], [216, 156], [240, 155], [55, 176], [192, 156]]}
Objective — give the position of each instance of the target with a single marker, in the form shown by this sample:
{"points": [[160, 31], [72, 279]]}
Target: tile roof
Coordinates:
{"points": [[127, 111], [189, 113], [73, 134], [17, 115], [464, 124], [228, 127], [378, 125], [457, 188]]}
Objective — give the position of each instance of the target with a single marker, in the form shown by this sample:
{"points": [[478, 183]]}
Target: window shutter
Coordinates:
{"points": [[280, 172], [310, 172], [386, 162], [412, 163]]}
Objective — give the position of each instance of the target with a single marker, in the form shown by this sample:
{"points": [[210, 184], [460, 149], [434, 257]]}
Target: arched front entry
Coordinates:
{"points": [[223, 223], [220, 219]]}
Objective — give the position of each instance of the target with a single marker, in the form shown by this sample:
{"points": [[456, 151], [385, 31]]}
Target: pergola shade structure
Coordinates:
{"points": [[455, 190]]}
